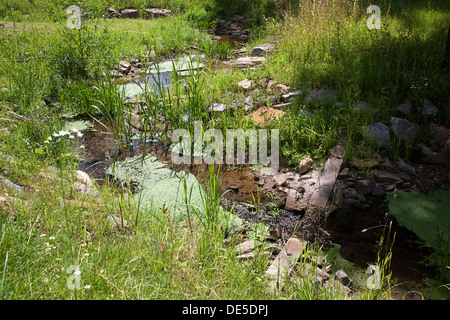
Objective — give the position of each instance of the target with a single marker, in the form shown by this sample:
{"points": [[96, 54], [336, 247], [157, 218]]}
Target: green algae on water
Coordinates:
{"points": [[427, 215]]}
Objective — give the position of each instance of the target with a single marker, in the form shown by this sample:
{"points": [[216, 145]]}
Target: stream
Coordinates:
{"points": [[343, 226]]}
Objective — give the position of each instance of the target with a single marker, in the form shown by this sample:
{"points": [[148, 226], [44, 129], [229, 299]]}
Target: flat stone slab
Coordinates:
{"points": [[245, 62], [285, 261], [264, 114], [294, 201], [326, 182]]}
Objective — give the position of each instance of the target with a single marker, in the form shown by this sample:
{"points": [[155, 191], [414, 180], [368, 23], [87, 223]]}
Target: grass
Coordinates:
{"points": [[156, 257]]}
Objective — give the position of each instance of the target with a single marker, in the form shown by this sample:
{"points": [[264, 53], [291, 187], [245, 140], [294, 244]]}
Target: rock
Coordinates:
{"points": [[280, 179], [440, 134], [116, 74], [343, 278], [217, 107], [246, 84], [83, 188], [293, 201], [247, 62], [338, 197], [305, 113], [404, 129], [249, 101], [402, 165], [264, 114], [124, 65], [344, 173], [270, 84], [427, 155], [379, 132], [271, 99], [405, 108], [305, 164], [290, 96], [261, 50], [113, 13], [246, 256], [320, 96], [130, 13], [282, 106], [155, 13], [118, 222], [364, 186], [362, 106], [10, 184], [84, 178], [245, 247], [381, 176], [390, 186], [429, 109], [378, 191], [353, 194], [282, 89]]}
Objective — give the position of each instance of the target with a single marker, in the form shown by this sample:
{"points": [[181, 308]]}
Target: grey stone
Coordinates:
{"points": [[344, 173], [403, 128], [130, 13], [353, 194], [440, 134], [83, 177], [305, 113], [248, 62], [362, 106], [113, 13], [282, 106], [380, 133], [245, 84], [245, 247], [155, 13], [115, 221], [378, 191], [405, 108], [249, 101], [282, 89], [261, 50], [305, 164], [290, 96], [10, 184], [402, 165], [381, 176], [342, 277], [320, 96], [364, 186], [429, 109]]}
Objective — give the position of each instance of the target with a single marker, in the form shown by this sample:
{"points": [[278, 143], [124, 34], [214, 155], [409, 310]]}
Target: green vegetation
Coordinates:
{"points": [[51, 226]]}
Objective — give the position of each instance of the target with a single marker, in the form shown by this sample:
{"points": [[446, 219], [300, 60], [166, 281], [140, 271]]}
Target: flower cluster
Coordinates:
{"points": [[63, 133]]}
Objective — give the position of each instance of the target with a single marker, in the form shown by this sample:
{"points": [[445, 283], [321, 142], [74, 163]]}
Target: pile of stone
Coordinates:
{"points": [[292, 256], [233, 26], [128, 69], [133, 13]]}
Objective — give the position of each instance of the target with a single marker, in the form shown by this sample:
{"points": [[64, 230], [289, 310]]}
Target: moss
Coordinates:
{"points": [[337, 262]]}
